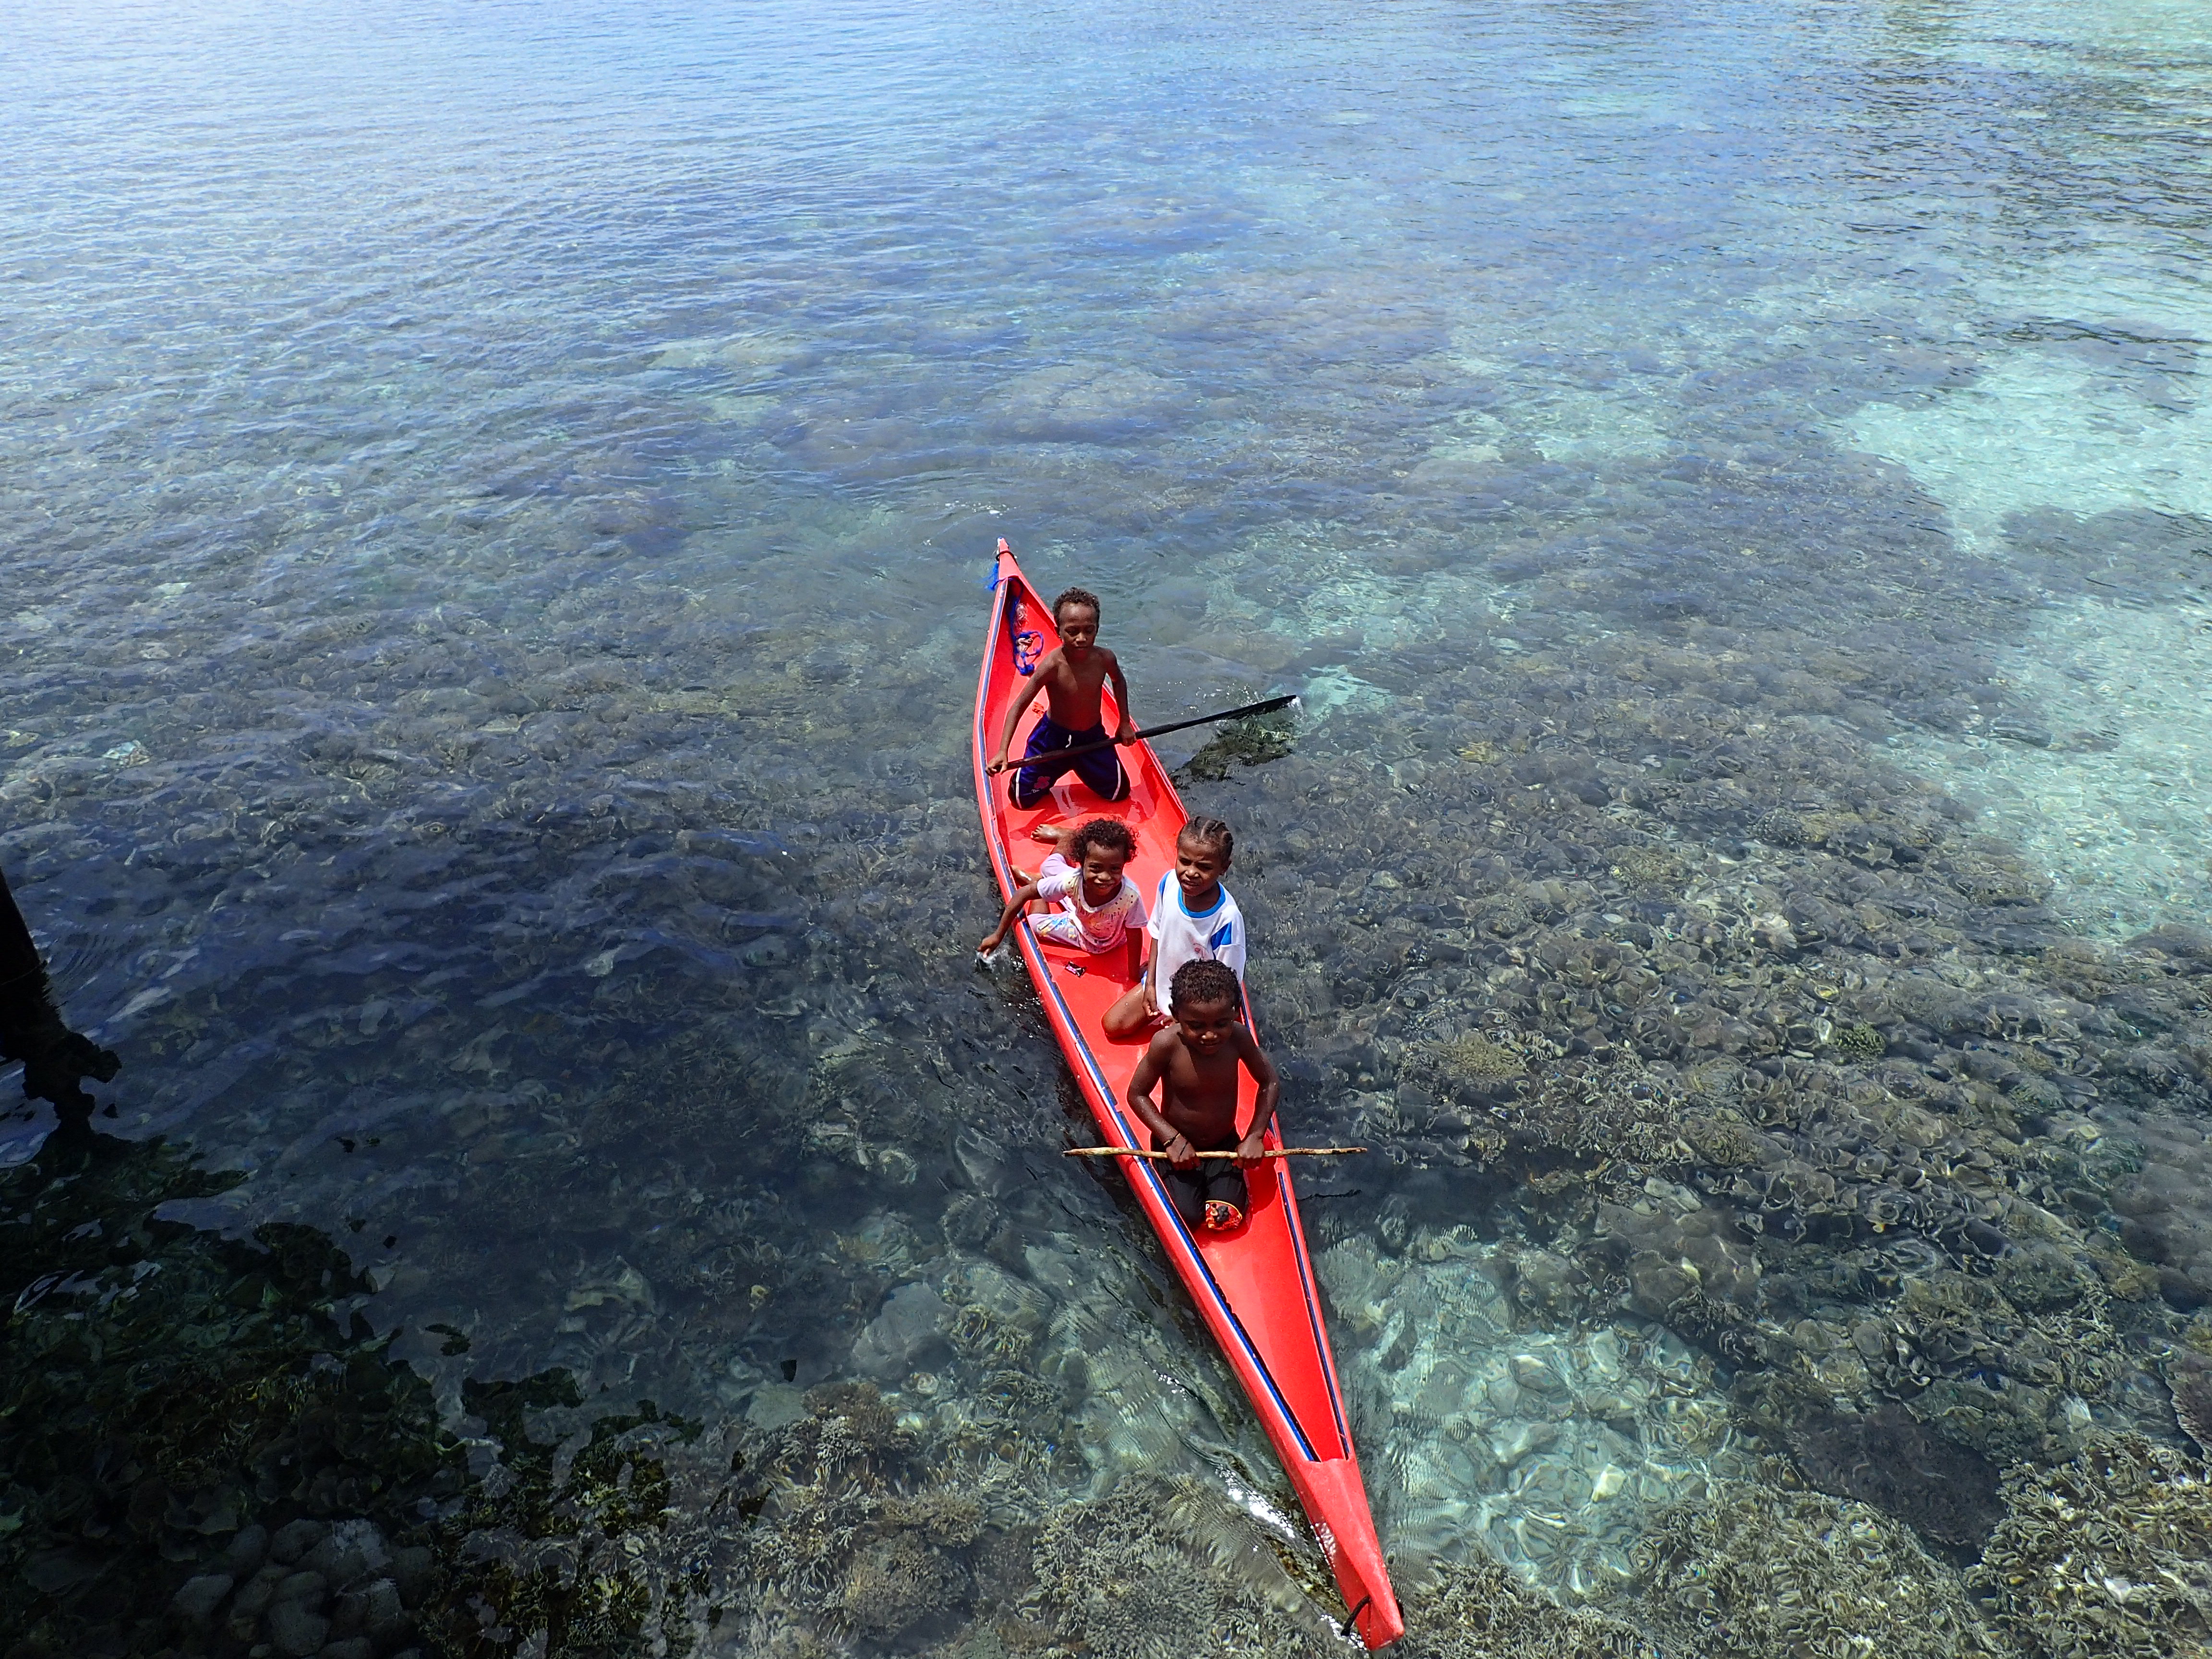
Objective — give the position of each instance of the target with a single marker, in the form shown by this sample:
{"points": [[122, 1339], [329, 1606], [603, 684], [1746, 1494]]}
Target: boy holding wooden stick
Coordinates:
{"points": [[1196, 1060]]}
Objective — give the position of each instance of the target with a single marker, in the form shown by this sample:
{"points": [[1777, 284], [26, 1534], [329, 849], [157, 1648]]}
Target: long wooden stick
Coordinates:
{"points": [[1272, 1151]]}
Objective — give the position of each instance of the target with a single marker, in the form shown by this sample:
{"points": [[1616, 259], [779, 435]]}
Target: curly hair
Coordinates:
{"points": [[1076, 596], [1211, 832], [1110, 832], [1198, 983]]}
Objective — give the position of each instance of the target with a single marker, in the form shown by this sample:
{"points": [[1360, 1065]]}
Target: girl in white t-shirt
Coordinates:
{"points": [[1097, 907], [1193, 919]]}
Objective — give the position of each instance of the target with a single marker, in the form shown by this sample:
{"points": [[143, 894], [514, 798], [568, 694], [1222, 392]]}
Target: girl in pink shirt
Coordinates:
{"points": [[1098, 908]]}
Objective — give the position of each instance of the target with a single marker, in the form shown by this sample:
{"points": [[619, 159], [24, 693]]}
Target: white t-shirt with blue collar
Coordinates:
{"points": [[1214, 934]]}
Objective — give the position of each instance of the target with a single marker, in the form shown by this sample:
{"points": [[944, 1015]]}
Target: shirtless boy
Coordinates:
{"points": [[1071, 674], [1196, 1060]]}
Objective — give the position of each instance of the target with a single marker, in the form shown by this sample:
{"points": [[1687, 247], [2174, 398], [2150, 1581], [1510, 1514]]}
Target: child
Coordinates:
{"points": [[1099, 906], [1197, 1058], [1193, 919], [1060, 837], [1071, 674]]}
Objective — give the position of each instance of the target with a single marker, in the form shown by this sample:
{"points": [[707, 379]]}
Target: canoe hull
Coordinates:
{"points": [[1254, 1288]]}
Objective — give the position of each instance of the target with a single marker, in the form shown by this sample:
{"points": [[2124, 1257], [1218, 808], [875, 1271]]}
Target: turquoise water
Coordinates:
{"points": [[493, 504]]}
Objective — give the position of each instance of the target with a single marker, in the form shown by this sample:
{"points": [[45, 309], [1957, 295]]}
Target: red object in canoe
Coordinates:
{"points": [[1254, 1286]]}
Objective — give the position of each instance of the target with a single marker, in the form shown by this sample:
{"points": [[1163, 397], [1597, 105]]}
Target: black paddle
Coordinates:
{"points": [[1264, 706]]}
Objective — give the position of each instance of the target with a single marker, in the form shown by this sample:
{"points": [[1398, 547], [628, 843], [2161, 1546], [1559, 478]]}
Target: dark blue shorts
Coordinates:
{"points": [[1214, 1177], [1101, 770]]}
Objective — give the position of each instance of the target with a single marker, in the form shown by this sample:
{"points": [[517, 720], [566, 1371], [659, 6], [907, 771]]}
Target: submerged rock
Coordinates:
{"points": [[249, 1547], [1884, 1458], [2166, 1204], [1253, 741], [907, 1332], [2189, 1375], [294, 1540], [257, 1592], [296, 1628], [2187, 944], [197, 1598]]}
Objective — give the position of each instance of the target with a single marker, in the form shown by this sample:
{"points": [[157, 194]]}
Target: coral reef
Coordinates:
{"points": [[1802, 1069], [1140, 1574], [1818, 1086], [198, 1450], [1761, 1570], [548, 1536], [845, 1534], [204, 1458], [1253, 741], [1474, 1609], [2107, 1557]]}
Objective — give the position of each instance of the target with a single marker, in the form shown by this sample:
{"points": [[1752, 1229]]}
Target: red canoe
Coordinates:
{"points": [[1253, 1286]]}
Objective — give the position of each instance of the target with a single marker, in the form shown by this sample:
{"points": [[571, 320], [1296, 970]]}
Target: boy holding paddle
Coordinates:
{"points": [[1071, 674], [1196, 1059]]}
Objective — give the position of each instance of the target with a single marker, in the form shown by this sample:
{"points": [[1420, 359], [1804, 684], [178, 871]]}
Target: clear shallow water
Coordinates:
{"points": [[494, 506]]}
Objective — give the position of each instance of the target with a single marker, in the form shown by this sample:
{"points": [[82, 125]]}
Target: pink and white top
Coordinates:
{"points": [[1077, 921]]}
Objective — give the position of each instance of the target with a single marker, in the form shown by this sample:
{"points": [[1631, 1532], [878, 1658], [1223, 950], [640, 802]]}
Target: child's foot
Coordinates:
{"points": [[1022, 877], [1051, 834], [1222, 1216]]}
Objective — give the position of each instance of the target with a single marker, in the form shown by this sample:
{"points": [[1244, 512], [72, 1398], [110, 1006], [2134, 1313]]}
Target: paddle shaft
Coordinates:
{"points": [[1272, 1151], [1265, 706]]}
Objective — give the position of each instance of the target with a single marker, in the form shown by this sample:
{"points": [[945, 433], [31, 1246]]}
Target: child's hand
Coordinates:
{"points": [[997, 765], [991, 943], [1180, 1153], [1128, 731]]}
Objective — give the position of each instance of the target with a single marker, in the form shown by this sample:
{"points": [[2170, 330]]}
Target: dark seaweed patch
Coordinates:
{"points": [[1884, 1458]]}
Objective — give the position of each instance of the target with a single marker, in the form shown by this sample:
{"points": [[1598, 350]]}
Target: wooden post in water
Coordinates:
{"points": [[55, 1060]]}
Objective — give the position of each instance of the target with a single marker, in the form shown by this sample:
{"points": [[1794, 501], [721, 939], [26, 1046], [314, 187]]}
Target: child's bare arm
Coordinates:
{"points": [[1128, 729], [1271, 1086], [1046, 664], [1139, 1097], [1015, 906]]}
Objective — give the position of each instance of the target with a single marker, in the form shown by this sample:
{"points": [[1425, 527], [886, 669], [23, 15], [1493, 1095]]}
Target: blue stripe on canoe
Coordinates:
{"points": [[1041, 970], [1313, 1310]]}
